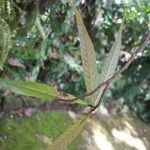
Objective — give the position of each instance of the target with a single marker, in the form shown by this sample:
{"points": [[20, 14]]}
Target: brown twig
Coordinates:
{"points": [[116, 74], [100, 99]]}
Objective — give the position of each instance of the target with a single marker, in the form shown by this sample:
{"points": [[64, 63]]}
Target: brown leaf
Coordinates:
{"points": [[15, 62], [28, 112], [54, 53]]}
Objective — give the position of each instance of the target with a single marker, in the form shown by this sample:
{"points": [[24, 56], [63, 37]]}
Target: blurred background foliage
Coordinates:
{"points": [[56, 59]]}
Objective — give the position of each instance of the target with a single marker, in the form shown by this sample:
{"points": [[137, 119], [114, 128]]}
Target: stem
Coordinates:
{"points": [[116, 74]]}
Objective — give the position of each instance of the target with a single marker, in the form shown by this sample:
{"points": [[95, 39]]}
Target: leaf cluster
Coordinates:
{"points": [[40, 37]]}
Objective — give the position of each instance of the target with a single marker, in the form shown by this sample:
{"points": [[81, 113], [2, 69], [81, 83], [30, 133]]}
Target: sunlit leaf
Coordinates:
{"points": [[87, 53], [34, 89], [111, 61], [67, 137]]}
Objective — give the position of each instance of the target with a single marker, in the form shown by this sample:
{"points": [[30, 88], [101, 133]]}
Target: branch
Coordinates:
{"points": [[116, 74]]}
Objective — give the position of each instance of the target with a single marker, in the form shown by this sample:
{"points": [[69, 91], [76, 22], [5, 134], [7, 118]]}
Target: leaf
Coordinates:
{"points": [[111, 62], [88, 55], [15, 62], [67, 137], [79, 101], [34, 89]]}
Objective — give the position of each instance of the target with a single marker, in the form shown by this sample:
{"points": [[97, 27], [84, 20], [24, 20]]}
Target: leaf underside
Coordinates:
{"points": [[88, 55], [111, 62], [66, 138]]}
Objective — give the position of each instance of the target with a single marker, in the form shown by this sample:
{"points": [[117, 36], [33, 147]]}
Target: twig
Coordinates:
{"points": [[116, 74], [99, 102]]}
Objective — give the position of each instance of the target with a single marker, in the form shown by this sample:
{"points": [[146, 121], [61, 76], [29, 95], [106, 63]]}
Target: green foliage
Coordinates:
{"points": [[38, 22], [67, 137], [5, 36], [111, 61], [131, 87], [35, 132], [89, 62], [45, 37], [87, 54], [135, 92], [34, 89]]}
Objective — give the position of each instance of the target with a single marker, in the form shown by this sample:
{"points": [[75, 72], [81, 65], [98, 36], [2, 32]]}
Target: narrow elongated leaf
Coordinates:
{"points": [[79, 101], [87, 53], [111, 61], [67, 137], [34, 89]]}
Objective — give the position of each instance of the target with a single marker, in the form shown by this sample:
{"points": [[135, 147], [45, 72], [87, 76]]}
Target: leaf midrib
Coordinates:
{"points": [[106, 77], [28, 88]]}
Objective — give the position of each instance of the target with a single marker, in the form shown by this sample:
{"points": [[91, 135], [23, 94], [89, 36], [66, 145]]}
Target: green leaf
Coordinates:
{"points": [[111, 62], [67, 137], [34, 89], [88, 55], [6, 42]]}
